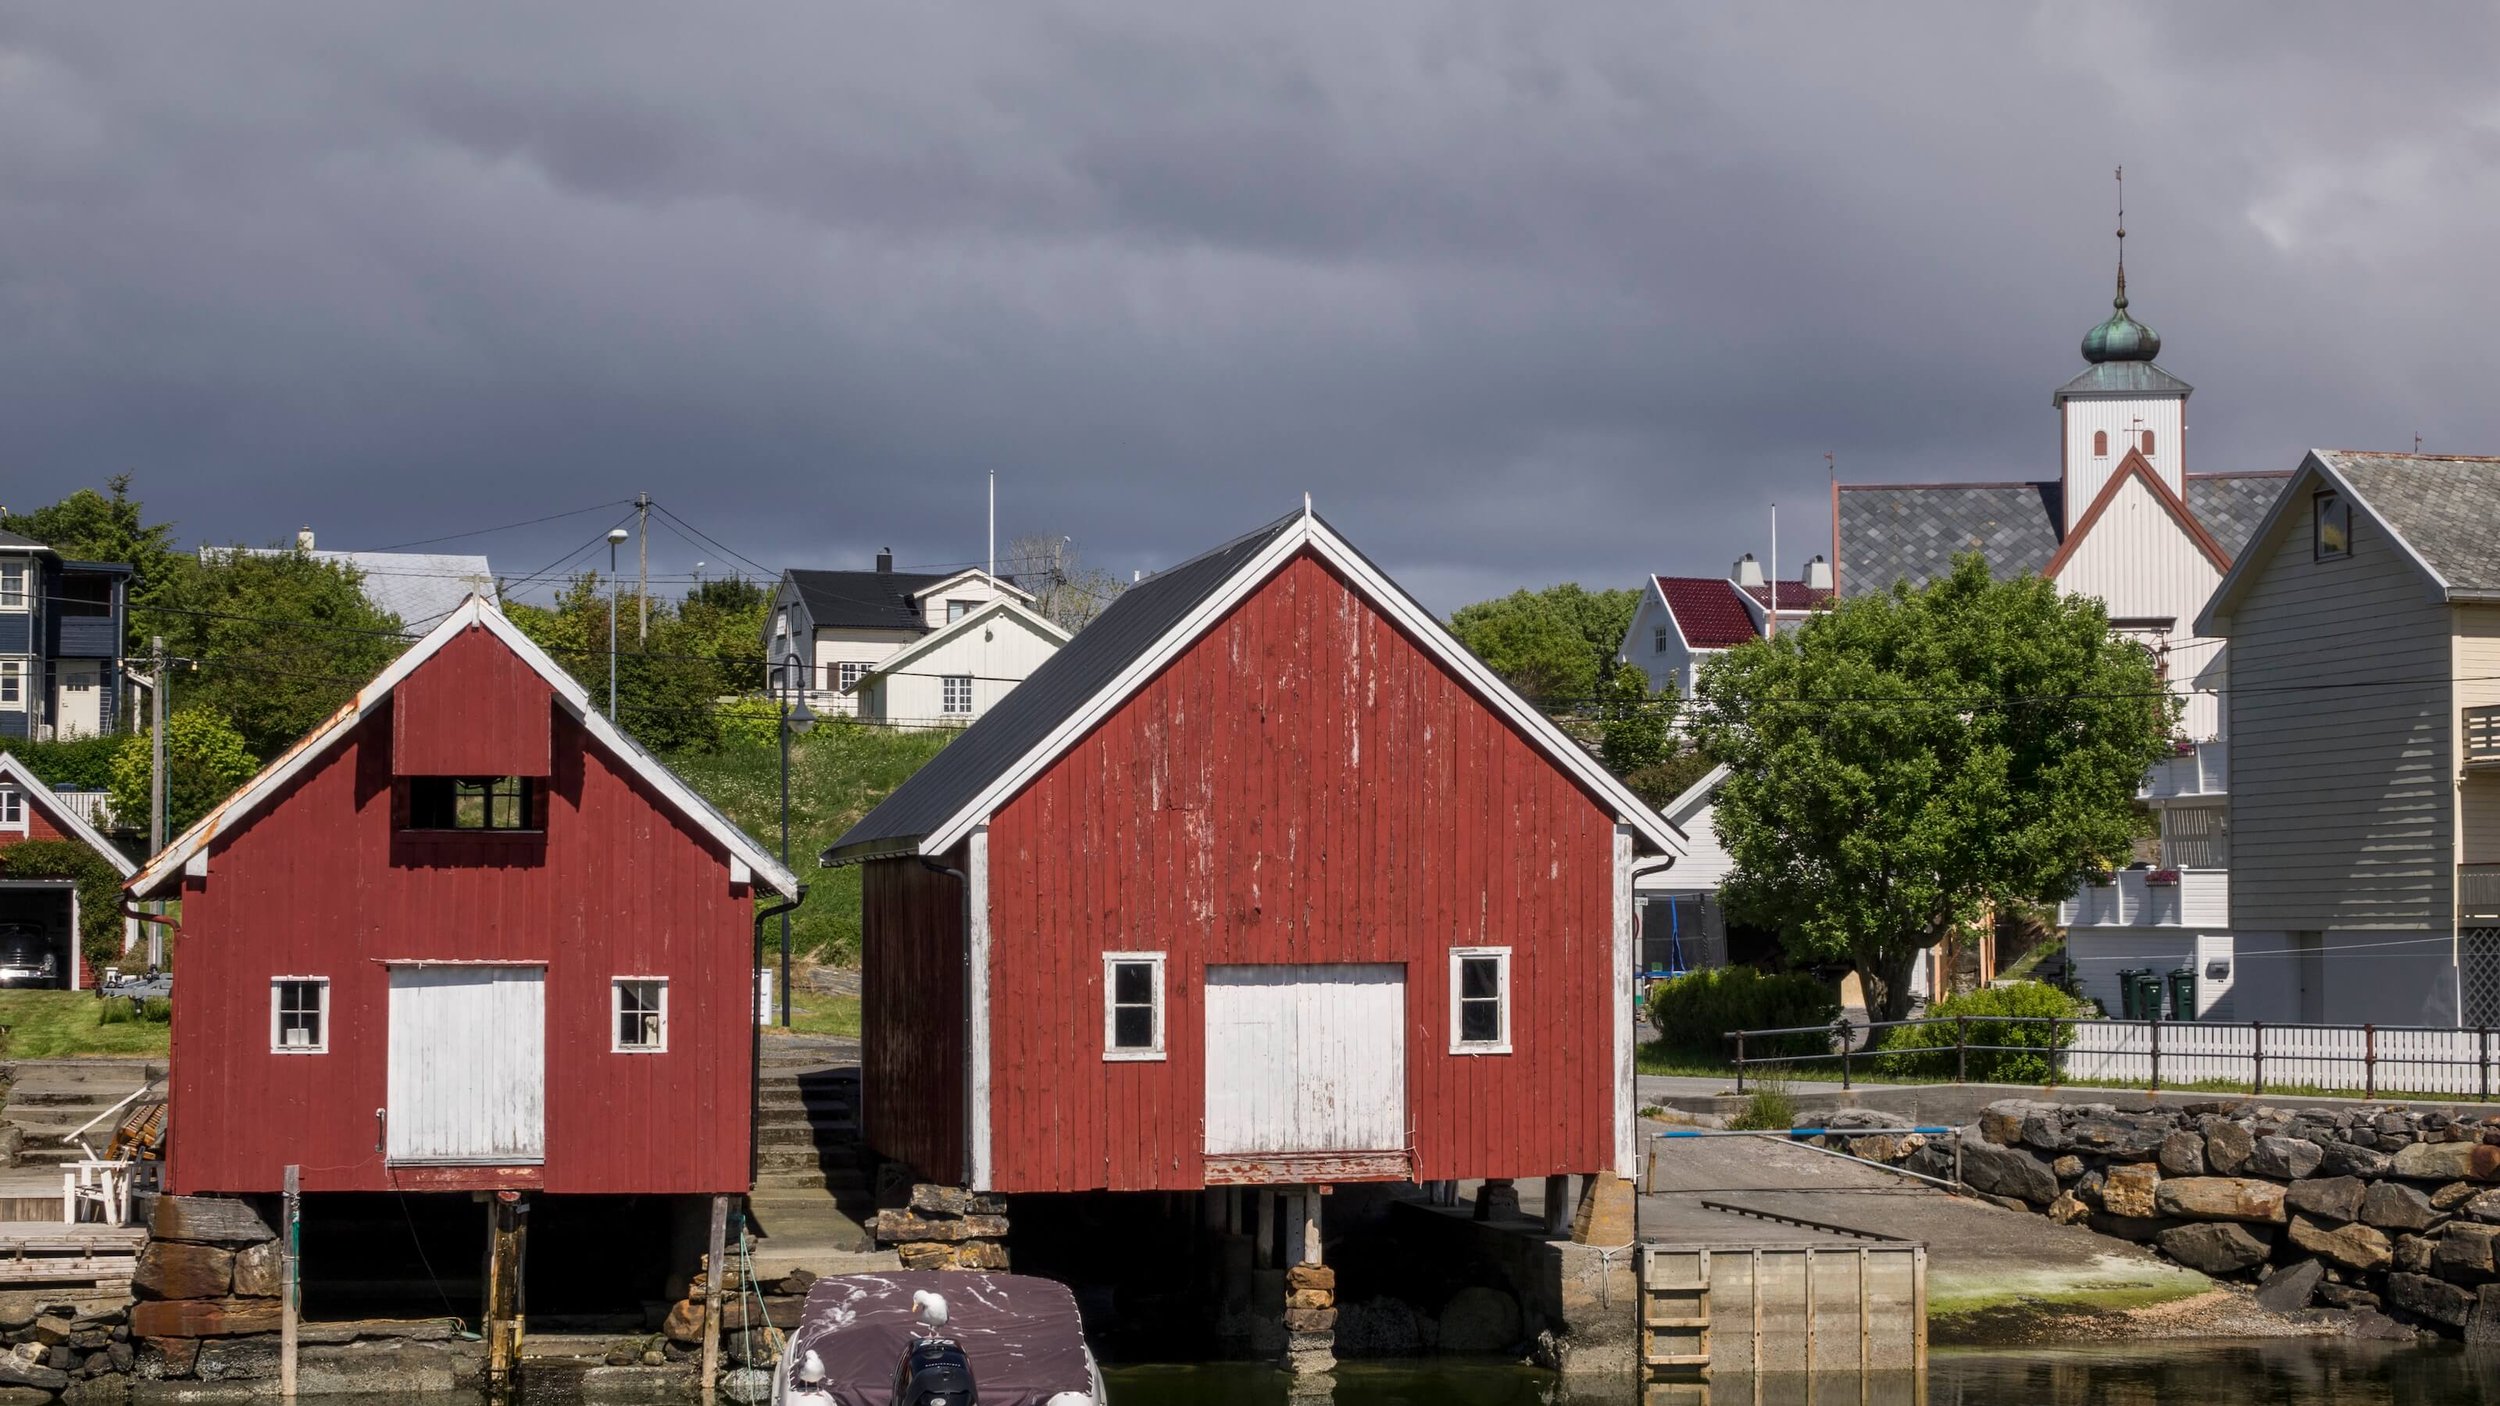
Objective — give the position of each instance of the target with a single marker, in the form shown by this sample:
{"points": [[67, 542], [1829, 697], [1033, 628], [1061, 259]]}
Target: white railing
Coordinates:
{"points": [[2365, 1059], [2203, 772], [2185, 898], [94, 807]]}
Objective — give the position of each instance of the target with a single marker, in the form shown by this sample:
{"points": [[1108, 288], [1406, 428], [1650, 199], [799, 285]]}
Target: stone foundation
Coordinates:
{"points": [[929, 1226]]}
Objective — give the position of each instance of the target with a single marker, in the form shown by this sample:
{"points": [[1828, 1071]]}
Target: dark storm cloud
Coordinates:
{"points": [[1519, 294]]}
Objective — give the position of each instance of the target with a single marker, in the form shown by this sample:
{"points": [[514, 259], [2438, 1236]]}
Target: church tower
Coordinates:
{"points": [[2122, 401]]}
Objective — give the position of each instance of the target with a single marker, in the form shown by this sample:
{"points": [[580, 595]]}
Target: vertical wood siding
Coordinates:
{"points": [[475, 709], [1303, 785], [2122, 420], [318, 883], [912, 1013]]}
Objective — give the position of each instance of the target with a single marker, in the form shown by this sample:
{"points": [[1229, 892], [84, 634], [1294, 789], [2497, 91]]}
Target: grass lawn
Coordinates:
{"points": [[814, 1014], [837, 773], [58, 1024]]}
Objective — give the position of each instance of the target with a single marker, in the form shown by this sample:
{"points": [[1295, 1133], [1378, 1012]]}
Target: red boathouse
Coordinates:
{"points": [[1262, 880], [43, 917]]}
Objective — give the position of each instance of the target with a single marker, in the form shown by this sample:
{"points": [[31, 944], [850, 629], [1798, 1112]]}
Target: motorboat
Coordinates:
{"points": [[938, 1338]]}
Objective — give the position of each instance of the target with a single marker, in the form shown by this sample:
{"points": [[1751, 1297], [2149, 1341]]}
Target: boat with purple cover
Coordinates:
{"points": [[938, 1338]]}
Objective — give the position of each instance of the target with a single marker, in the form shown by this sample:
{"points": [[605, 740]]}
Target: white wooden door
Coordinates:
{"points": [[1306, 1059], [78, 704], [468, 1065]]}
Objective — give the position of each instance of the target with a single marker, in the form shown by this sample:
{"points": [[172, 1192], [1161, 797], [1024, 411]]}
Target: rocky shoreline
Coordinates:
{"points": [[2376, 1221]]}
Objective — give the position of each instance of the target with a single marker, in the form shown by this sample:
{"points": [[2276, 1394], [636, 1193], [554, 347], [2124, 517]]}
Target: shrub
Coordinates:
{"points": [[1694, 1012], [1769, 1108], [1927, 1051], [81, 763]]}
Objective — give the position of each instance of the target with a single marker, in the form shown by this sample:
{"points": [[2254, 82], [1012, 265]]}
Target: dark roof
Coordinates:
{"points": [[2231, 505], [1794, 595], [1912, 532], [1033, 709], [11, 539], [864, 600], [2441, 504], [1707, 610], [2117, 378]]}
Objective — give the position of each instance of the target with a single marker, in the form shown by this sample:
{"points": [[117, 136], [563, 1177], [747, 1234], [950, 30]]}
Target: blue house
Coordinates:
{"points": [[61, 632]]}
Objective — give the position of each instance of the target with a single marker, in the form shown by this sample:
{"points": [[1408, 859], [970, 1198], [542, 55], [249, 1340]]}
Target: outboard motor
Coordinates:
{"points": [[934, 1372]]}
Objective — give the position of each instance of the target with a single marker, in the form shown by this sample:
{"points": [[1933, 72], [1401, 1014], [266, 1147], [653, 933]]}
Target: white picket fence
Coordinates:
{"points": [[2363, 1059]]}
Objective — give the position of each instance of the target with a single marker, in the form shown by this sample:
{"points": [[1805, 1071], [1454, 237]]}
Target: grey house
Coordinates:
{"points": [[828, 630], [61, 632]]}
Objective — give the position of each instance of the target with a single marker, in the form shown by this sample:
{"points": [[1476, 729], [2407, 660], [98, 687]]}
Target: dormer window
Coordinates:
{"points": [[2331, 532], [2100, 444], [958, 609], [480, 803]]}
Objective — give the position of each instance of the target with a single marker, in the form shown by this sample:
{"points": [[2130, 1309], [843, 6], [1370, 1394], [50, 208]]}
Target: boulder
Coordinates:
{"points": [[2483, 1325], [2413, 1253], [2119, 1134], [2456, 1194], [2068, 1210], [2133, 1228], [174, 1269], [2448, 1161], [2214, 1247], [2356, 1247], [17, 1372], [925, 1254], [1480, 1320], [208, 1220], [1311, 1276], [2347, 1296], [2485, 1206], [2289, 1288], [2068, 1168], [2394, 1206], [2430, 1298], [259, 1272], [172, 1356], [2129, 1190], [2332, 1200], [2044, 1130], [2283, 1158], [2462, 1253], [2220, 1198], [2001, 1122], [2183, 1155], [2228, 1146], [981, 1254], [203, 1318], [904, 1227], [2008, 1172], [2343, 1159]]}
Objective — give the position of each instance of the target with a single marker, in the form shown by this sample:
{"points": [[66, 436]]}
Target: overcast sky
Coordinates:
{"points": [[1520, 294]]}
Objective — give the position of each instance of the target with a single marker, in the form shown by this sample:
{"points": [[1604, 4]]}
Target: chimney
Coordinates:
{"points": [[1818, 575], [1747, 571], [885, 560], [304, 539]]}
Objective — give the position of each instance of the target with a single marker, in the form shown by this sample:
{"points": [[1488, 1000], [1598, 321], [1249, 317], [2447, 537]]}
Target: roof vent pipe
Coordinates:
{"points": [[885, 560], [1747, 571], [1818, 575]]}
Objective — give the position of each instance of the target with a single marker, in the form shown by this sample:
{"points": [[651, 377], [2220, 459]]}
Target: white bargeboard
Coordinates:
{"points": [[1306, 1059]]}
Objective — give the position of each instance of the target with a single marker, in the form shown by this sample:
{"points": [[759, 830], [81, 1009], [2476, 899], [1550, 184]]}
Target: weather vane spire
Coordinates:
{"points": [[2120, 301]]}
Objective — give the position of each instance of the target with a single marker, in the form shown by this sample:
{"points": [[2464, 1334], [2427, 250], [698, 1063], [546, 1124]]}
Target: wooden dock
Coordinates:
{"points": [[40, 1256]]}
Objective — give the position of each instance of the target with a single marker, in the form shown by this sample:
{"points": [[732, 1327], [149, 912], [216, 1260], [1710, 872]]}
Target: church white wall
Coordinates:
{"points": [[2123, 420]]}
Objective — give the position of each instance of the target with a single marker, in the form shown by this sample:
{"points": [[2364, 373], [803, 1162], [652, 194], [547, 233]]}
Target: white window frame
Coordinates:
{"points": [[1111, 962], [13, 810], [958, 609], [616, 1011], [13, 586], [781, 623], [13, 681], [277, 985], [848, 673], [1658, 640], [946, 695], [1458, 964]]}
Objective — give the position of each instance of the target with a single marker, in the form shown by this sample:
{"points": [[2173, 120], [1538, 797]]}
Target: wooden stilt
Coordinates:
{"points": [[712, 1270], [290, 1273], [1558, 1205], [505, 1244]]}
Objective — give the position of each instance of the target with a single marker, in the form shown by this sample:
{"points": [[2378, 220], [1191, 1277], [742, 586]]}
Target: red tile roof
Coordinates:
{"points": [[1708, 611]]}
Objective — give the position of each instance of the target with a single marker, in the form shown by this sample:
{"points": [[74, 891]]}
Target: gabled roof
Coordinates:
{"points": [[863, 600], [14, 772], [2230, 505], [1912, 531], [2133, 468], [1128, 644], [2439, 509], [1708, 611], [190, 849], [973, 573], [1695, 799], [954, 629], [15, 542]]}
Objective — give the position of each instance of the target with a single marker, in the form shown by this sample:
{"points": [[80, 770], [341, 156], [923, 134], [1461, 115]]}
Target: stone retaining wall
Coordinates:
{"points": [[2386, 1216]]}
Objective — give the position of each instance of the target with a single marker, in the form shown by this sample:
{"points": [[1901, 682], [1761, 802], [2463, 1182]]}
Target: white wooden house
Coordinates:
{"points": [[959, 672], [828, 630], [1682, 622]]}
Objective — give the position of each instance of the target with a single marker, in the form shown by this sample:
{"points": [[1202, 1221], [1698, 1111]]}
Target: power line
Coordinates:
{"points": [[506, 527], [671, 515]]}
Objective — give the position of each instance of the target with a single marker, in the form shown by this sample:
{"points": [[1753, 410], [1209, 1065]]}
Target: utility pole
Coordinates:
{"points": [[994, 514], [615, 536], [642, 570]]}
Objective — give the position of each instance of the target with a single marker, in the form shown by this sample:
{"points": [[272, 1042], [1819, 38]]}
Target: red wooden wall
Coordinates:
{"points": [[1304, 784], [912, 1014], [318, 883], [475, 709]]}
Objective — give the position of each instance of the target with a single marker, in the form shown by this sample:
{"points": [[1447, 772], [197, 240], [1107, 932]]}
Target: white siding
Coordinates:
{"points": [[1704, 867], [998, 654], [2476, 650], [1306, 1058], [978, 589], [834, 647], [2166, 417], [2341, 740], [468, 1065], [2143, 564], [1669, 667]]}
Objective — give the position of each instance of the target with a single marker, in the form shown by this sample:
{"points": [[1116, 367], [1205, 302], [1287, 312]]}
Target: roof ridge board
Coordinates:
{"points": [[1952, 483]]}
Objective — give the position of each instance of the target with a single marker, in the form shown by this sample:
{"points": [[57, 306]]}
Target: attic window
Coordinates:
{"points": [[486, 803], [1658, 640], [2332, 534], [12, 809], [2100, 444]]}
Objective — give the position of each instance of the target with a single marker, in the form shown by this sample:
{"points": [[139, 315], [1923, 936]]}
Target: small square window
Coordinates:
{"points": [[472, 803], [641, 1004], [1132, 1005], [299, 1015], [2333, 536], [957, 700], [1479, 1000]]}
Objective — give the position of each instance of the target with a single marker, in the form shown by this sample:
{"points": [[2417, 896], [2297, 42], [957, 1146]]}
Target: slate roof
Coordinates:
{"points": [[2445, 506], [864, 600], [1707, 610], [1033, 709], [1912, 531]]}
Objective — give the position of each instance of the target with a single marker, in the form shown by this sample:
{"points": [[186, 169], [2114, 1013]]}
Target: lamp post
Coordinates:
{"points": [[796, 719], [615, 536]]}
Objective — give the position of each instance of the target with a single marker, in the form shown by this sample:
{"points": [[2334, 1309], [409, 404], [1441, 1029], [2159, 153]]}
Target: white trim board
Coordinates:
{"points": [[189, 852], [37, 793]]}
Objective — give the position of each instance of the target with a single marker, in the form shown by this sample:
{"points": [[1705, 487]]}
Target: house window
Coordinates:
{"points": [[2333, 531], [958, 609], [958, 694], [781, 623], [1480, 1000], [2100, 444], [1132, 1005], [12, 681], [2148, 442], [12, 809], [299, 1015], [1658, 640], [641, 1004], [473, 803], [846, 675], [12, 587]]}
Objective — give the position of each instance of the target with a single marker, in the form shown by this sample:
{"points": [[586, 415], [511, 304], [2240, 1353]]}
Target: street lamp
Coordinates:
{"points": [[796, 719], [615, 536]]}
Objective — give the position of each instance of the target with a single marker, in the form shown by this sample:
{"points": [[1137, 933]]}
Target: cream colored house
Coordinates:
{"points": [[950, 677], [828, 630]]}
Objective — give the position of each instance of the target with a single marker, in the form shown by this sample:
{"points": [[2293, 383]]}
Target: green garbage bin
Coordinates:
{"points": [[2130, 993], [2147, 995], [2183, 993]]}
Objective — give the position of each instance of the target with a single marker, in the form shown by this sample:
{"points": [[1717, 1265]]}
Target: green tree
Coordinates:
{"points": [[1557, 644], [1635, 727], [91, 526], [1904, 762], [666, 686], [206, 758], [727, 615], [277, 640]]}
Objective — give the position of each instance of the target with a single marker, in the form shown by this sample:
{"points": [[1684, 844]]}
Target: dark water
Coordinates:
{"points": [[2198, 1374]]}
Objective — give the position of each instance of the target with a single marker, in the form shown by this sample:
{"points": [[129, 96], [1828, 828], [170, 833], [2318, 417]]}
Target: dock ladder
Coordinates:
{"points": [[1675, 1313]]}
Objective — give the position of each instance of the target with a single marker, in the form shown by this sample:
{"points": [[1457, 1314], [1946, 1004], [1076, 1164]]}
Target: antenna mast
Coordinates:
{"points": [[993, 523]]}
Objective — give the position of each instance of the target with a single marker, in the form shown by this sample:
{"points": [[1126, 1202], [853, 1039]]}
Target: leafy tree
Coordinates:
{"points": [[1557, 644], [79, 763], [1067, 590], [90, 526], [1635, 727], [277, 640], [1669, 778], [666, 687], [206, 758], [727, 615], [1904, 762]]}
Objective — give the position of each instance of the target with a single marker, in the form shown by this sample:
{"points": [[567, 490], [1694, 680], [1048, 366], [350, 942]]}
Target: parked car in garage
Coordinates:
{"points": [[27, 958]]}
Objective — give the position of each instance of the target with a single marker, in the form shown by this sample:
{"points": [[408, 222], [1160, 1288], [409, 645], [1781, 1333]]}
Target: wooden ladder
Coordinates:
{"points": [[1675, 1313]]}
